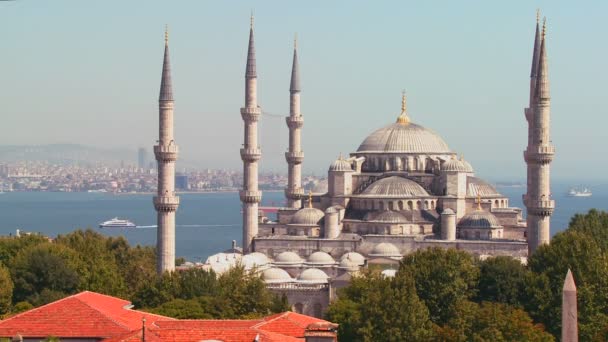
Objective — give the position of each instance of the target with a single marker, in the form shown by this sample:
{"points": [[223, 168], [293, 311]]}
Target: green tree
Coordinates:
{"points": [[53, 267], [6, 290], [443, 278], [491, 322], [101, 272], [579, 248], [182, 309], [502, 279], [376, 308]]}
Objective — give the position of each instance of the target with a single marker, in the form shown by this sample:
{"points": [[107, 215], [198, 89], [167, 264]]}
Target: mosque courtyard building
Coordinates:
{"points": [[402, 190]]}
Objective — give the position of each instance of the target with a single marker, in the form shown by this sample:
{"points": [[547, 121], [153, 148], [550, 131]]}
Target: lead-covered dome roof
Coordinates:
{"points": [[288, 258], [394, 186], [385, 249], [320, 258], [404, 138], [390, 216], [479, 219], [313, 275], [308, 217], [276, 275], [479, 187]]}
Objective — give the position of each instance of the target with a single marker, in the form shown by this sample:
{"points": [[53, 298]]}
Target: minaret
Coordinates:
{"points": [[250, 153], [166, 202], [569, 310], [295, 121], [529, 111], [539, 155]]}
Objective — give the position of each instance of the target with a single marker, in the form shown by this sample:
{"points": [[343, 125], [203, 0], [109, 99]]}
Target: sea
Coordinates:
{"points": [[206, 222]]}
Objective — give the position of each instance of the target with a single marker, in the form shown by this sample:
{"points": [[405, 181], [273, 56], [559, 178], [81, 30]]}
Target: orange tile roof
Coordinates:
{"points": [[93, 315]]}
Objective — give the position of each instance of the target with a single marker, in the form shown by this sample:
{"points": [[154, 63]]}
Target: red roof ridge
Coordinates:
{"points": [[40, 307], [102, 312]]}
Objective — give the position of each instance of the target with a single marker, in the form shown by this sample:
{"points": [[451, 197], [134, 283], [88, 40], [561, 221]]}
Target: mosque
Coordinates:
{"points": [[402, 190]]}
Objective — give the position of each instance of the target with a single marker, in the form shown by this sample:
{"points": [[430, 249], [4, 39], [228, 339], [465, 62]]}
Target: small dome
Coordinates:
{"points": [[349, 265], [340, 164], [394, 186], [479, 187], [321, 187], [467, 165], [314, 276], [276, 275], [255, 259], [385, 249], [288, 258], [355, 257], [389, 216], [453, 165], [389, 273], [320, 258], [479, 219], [448, 211], [308, 217]]}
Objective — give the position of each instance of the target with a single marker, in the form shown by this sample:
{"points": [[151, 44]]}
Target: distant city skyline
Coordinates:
{"points": [[88, 73]]}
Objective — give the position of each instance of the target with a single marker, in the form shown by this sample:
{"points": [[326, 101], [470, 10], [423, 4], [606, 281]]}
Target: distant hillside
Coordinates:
{"points": [[68, 154]]}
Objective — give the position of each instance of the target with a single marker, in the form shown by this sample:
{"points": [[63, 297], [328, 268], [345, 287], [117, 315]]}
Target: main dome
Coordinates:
{"points": [[404, 138]]}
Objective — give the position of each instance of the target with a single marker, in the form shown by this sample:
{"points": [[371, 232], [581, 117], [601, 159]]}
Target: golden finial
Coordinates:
{"points": [[310, 199], [478, 202], [166, 34], [538, 15], [403, 119]]}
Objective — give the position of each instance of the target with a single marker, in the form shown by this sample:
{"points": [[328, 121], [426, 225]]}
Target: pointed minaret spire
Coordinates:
{"points": [[535, 57], [294, 86], [542, 78], [166, 86], [569, 310], [295, 121], [250, 71]]}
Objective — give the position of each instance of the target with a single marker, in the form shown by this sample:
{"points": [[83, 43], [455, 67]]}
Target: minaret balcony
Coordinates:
{"points": [[166, 203], [542, 154], [248, 196], [294, 193], [540, 207], [166, 152], [294, 157], [251, 154], [294, 122], [250, 114]]}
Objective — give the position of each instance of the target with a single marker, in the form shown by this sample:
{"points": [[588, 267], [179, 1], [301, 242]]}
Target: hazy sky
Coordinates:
{"points": [[89, 72]]}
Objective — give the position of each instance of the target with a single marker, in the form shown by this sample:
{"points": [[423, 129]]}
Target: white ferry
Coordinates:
{"points": [[585, 192], [117, 223]]}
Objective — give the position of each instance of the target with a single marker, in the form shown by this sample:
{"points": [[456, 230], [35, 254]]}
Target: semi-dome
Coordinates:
{"points": [[454, 165], [479, 187], [395, 186], [308, 217], [288, 258], [404, 138], [313, 275], [276, 275], [320, 258], [385, 249], [479, 219], [340, 164], [355, 257], [390, 216]]}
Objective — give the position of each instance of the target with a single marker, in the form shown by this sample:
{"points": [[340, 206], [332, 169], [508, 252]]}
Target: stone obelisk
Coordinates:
{"points": [[569, 310]]}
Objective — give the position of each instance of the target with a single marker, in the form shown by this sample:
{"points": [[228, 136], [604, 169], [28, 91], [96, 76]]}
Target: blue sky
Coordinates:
{"points": [[89, 71]]}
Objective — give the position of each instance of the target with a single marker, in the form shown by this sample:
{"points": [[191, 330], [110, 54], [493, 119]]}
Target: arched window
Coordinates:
{"points": [[419, 205], [410, 205], [400, 205], [426, 205], [477, 235], [381, 205], [390, 206], [298, 308]]}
